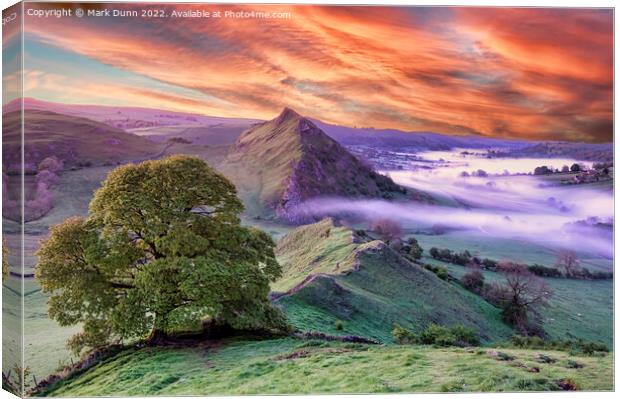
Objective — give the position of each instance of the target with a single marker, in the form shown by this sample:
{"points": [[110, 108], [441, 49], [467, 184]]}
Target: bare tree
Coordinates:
{"points": [[473, 280], [389, 229], [568, 263], [521, 297]]}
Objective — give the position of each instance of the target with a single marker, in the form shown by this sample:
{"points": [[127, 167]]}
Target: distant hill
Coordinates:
{"points": [[72, 139], [331, 273], [126, 118], [218, 134], [276, 165], [412, 140], [161, 125], [429, 141], [596, 152]]}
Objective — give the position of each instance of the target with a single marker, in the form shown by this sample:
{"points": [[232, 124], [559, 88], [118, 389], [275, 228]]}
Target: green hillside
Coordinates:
{"points": [[330, 273], [291, 366], [74, 140], [578, 308], [278, 164]]}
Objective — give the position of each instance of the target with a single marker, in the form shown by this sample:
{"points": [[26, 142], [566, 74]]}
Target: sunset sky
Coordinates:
{"points": [[521, 73]]}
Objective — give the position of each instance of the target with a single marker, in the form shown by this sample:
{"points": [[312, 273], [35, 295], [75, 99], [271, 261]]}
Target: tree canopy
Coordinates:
{"points": [[162, 250]]}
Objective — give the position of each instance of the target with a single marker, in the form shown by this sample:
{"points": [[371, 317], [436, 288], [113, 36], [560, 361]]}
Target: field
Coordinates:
{"points": [[498, 248], [291, 366], [11, 324], [578, 308], [44, 339]]}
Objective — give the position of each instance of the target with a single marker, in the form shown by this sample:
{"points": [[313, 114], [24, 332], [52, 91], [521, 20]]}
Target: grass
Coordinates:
{"points": [[11, 324], [369, 287], [44, 340], [290, 366], [503, 248], [272, 151], [332, 250], [74, 139], [280, 163], [577, 309]]}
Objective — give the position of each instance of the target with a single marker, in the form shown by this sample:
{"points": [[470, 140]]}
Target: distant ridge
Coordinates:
{"points": [[123, 117], [73, 140], [280, 163]]}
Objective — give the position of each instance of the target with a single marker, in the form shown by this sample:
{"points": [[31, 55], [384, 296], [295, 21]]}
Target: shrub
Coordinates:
{"points": [[573, 347], [462, 258], [465, 336], [489, 264], [505, 356], [403, 336], [390, 230], [46, 177], [473, 281], [439, 271], [590, 348], [339, 325], [52, 164], [442, 273], [520, 341], [458, 335], [465, 258], [544, 271], [545, 358], [543, 170], [412, 249], [39, 206]]}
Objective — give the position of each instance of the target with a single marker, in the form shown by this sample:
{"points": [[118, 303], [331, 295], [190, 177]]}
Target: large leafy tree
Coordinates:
{"points": [[161, 249]]}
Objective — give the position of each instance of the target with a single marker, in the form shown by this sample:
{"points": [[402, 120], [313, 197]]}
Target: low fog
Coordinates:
{"points": [[514, 207]]}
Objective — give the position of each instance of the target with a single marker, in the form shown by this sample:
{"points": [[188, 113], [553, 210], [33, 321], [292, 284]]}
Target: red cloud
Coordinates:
{"points": [[515, 72]]}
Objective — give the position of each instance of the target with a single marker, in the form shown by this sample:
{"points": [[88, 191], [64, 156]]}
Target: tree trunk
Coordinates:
{"points": [[157, 337]]}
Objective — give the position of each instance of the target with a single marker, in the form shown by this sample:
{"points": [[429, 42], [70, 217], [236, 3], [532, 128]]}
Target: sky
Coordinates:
{"points": [[540, 74]]}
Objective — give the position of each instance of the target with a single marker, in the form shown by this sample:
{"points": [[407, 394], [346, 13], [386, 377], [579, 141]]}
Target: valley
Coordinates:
{"points": [[319, 193]]}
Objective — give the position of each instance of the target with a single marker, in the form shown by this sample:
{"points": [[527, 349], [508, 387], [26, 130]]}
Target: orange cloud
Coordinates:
{"points": [[525, 73]]}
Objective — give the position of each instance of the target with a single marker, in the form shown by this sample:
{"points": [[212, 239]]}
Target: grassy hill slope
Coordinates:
{"points": [[291, 366], [330, 273], [578, 308], [278, 164], [72, 139]]}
